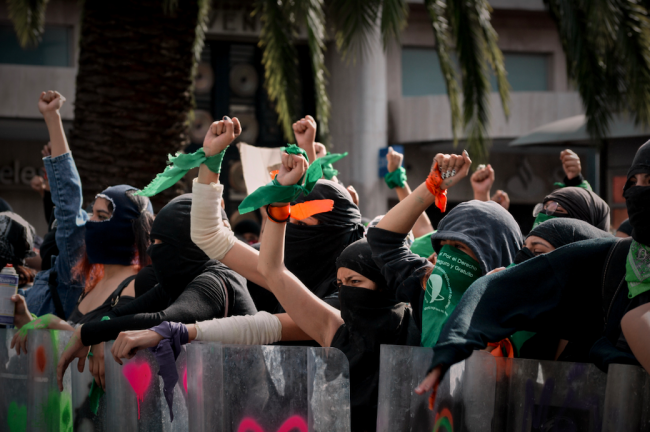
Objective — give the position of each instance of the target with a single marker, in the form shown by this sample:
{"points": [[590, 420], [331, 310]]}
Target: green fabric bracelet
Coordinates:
{"points": [[396, 178], [178, 166], [275, 192], [327, 161]]}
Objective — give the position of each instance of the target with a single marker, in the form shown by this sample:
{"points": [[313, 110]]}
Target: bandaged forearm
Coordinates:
{"points": [[208, 231], [259, 329]]}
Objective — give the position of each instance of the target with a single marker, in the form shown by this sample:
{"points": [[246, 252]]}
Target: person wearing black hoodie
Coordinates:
{"points": [[475, 238], [575, 203], [561, 294]]}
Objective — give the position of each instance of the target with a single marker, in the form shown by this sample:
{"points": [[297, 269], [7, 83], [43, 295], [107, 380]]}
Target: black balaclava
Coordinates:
{"points": [[358, 257], [16, 239], [637, 198], [560, 232], [177, 260], [113, 241], [486, 228], [583, 205], [311, 251]]}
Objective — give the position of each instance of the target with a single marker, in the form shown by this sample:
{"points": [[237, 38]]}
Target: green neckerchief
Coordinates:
{"points": [[422, 246], [542, 217], [637, 269], [396, 178], [584, 184], [178, 166], [453, 274], [327, 161], [275, 192]]}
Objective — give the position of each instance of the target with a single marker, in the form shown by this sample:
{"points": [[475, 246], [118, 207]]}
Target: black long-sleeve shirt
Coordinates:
{"points": [[560, 293], [403, 270], [216, 293]]}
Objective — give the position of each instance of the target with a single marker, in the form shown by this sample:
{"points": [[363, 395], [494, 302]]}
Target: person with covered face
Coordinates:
{"points": [[475, 238], [568, 293], [191, 287], [575, 203], [369, 313]]}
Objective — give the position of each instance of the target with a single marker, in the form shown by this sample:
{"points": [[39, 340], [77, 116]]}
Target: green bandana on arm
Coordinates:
{"points": [[40, 323], [637, 269], [178, 166], [583, 184], [454, 272], [275, 192], [326, 162], [396, 178]]}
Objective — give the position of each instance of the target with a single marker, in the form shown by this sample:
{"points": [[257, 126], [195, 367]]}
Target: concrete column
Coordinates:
{"points": [[359, 121]]}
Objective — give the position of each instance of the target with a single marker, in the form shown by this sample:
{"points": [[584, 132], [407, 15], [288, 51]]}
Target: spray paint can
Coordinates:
{"points": [[8, 288]]}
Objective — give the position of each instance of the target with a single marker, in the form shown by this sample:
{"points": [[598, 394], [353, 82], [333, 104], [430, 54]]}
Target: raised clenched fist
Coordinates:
{"points": [[320, 150], [482, 181], [305, 131], [570, 163], [50, 102], [394, 159], [502, 198], [292, 169], [220, 134], [453, 168]]}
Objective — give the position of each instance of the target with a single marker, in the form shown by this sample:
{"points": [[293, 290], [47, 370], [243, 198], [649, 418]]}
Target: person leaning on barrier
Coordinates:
{"points": [[568, 293]]}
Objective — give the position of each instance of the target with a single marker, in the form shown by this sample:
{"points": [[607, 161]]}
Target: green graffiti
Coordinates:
{"points": [[443, 423], [17, 417], [56, 413]]}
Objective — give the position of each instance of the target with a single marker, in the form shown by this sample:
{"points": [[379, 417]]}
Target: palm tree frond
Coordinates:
{"points": [[438, 12], [495, 55], [279, 59], [169, 6], [28, 17], [355, 21], [201, 27], [394, 14]]}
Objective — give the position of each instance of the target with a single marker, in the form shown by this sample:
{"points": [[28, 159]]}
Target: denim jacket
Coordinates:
{"points": [[65, 186]]}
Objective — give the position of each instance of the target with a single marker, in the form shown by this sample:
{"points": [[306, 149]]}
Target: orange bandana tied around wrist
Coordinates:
{"points": [[502, 348], [433, 184], [309, 208]]}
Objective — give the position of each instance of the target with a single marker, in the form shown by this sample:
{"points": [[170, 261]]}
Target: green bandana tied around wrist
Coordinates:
{"points": [[275, 192], [327, 161], [396, 178], [542, 217], [637, 269], [178, 166], [453, 274]]}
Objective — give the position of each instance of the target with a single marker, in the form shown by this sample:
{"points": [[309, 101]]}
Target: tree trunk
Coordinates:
{"points": [[134, 91]]}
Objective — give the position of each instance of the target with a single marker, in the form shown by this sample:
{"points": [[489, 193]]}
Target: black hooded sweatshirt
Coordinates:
{"points": [[371, 318], [577, 293], [190, 288], [485, 227], [583, 205]]}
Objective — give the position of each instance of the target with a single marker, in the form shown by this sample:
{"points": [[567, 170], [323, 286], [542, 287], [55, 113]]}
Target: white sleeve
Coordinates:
{"points": [[207, 229], [259, 329]]}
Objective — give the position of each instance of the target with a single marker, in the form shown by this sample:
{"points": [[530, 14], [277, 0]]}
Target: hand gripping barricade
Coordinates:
{"points": [[484, 393], [267, 388], [30, 399]]}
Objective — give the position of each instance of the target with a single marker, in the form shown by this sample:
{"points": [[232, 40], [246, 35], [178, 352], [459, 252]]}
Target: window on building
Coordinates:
{"points": [[53, 50], [421, 73]]}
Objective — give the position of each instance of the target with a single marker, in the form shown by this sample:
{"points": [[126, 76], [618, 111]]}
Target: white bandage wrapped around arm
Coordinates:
{"points": [[208, 231], [259, 329]]}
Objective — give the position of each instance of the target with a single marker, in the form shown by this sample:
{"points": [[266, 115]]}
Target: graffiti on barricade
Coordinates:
{"points": [[295, 423], [139, 376]]}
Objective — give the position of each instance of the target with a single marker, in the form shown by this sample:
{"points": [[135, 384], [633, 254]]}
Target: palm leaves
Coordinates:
{"points": [[607, 46], [28, 17]]}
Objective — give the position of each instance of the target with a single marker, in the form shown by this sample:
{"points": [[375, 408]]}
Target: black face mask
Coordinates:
{"points": [[637, 199], [523, 255]]}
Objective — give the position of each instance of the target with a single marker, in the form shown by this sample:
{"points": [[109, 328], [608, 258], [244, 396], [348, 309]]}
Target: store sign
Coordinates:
{"points": [[13, 174]]}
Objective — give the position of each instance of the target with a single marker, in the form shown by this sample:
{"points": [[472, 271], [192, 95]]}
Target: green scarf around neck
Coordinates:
{"points": [[542, 217], [637, 269], [454, 272]]}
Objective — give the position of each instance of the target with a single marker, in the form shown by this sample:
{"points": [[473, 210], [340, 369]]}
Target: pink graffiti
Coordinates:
{"points": [[185, 380], [139, 376], [295, 422]]}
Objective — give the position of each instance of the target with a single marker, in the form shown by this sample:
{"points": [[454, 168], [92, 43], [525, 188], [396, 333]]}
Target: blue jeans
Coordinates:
{"points": [[65, 186]]}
